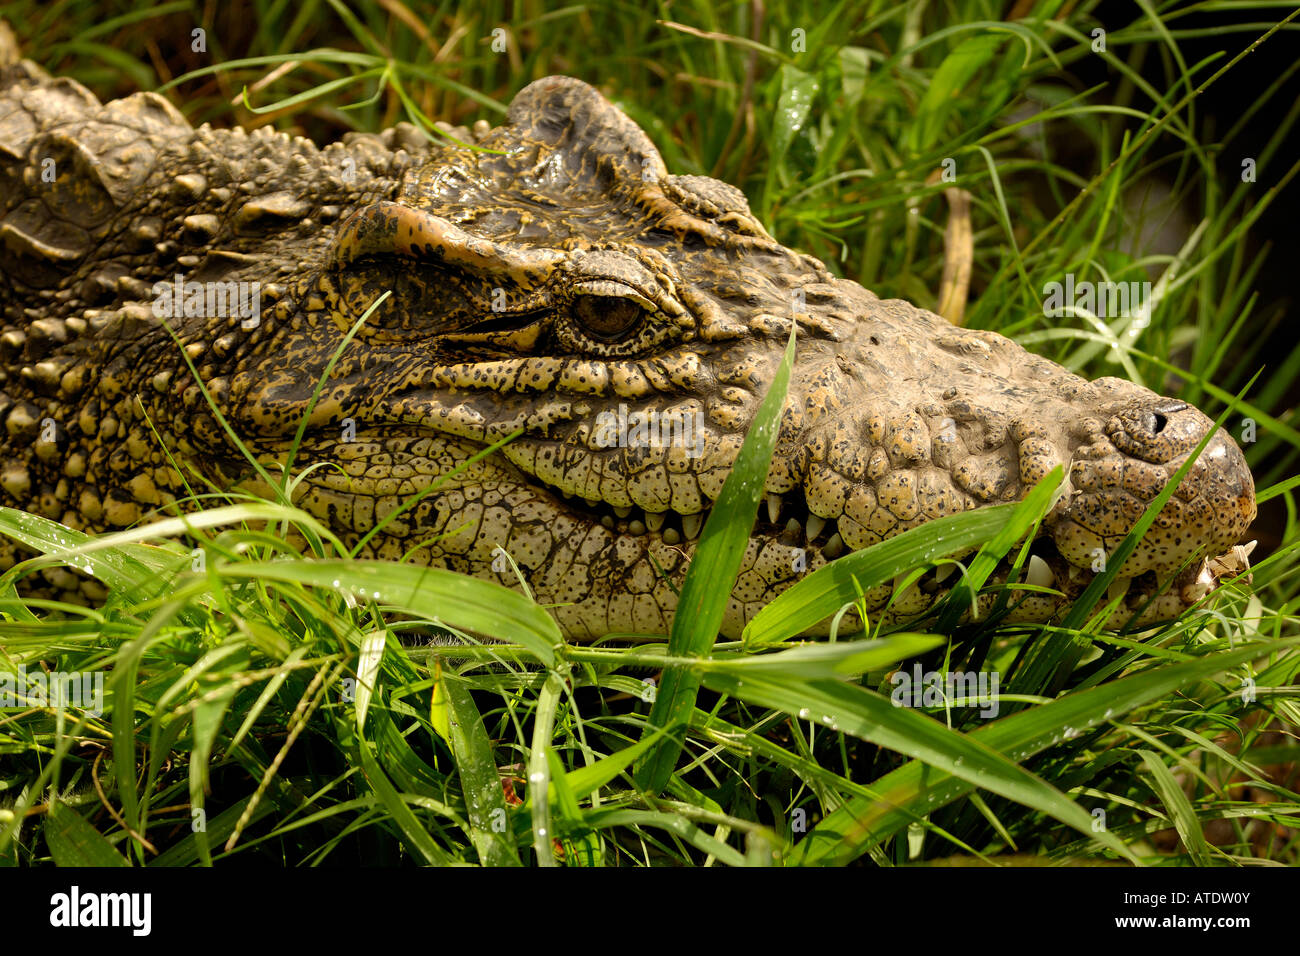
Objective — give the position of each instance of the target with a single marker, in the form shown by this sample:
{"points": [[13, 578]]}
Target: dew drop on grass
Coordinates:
{"points": [[804, 713], [536, 776]]}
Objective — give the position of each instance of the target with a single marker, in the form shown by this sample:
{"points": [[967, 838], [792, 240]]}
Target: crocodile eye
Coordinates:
{"points": [[607, 317]]}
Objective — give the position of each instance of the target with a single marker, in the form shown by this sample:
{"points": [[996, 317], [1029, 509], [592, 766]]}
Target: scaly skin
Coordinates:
{"points": [[556, 275]]}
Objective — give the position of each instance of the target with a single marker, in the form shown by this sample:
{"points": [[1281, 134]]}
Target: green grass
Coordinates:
{"points": [[269, 710]]}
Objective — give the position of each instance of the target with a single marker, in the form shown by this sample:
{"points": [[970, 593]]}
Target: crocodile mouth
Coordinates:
{"points": [[617, 568], [785, 518], [1045, 584]]}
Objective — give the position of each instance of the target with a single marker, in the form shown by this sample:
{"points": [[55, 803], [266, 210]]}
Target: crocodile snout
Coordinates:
{"points": [[1157, 431], [1115, 478]]}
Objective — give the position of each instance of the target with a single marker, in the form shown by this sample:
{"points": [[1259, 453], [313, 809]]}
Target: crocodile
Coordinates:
{"points": [[547, 277]]}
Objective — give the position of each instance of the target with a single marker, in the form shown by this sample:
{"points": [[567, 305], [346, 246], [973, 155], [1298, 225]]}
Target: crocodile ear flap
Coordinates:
{"points": [[575, 120], [385, 229]]}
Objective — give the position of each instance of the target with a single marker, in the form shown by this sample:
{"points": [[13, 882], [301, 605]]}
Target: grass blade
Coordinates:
{"points": [[440, 596], [822, 593], [869, 716], [416, 837], [74, 842], [712, 573], [841, 660], [1179, 808], [480, 782], [916, 789]]}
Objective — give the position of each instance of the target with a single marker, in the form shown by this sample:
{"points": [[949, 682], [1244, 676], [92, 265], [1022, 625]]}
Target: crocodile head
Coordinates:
{"points": [[556, 281], [562, 284]]}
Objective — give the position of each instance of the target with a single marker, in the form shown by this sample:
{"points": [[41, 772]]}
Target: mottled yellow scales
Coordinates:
{"points": [[551, 282]]}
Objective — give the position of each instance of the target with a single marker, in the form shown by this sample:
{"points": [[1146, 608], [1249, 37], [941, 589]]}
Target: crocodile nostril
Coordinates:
{"points": [[1156, 431]]}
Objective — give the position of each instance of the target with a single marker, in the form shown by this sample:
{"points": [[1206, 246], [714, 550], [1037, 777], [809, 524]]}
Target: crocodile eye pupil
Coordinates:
{"points": [[607, 316]]}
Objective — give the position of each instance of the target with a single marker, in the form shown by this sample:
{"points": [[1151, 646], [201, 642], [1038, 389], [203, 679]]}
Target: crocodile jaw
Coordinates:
{"points": [[605, 534]]}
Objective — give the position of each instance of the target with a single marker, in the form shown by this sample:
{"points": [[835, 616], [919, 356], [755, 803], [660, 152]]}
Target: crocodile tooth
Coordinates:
{"points": [[815, 525], [654, 520], [773, 507], [834, 547], [624, 511], [943, 572], [671, 536], [636, 527], [1203, 585], [793, 526], [691, 525], [607, 522], [1039, 574]]}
